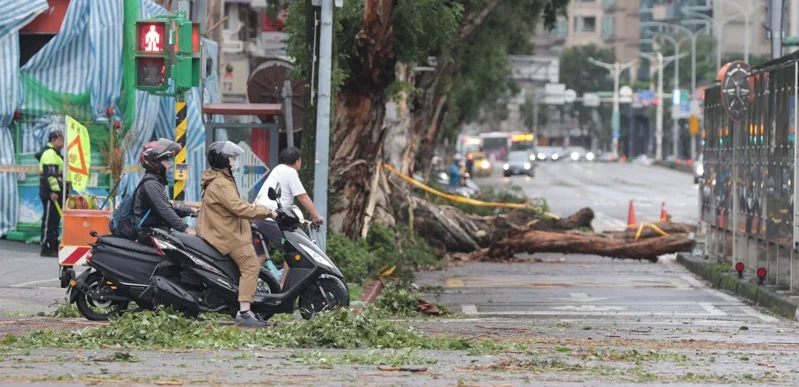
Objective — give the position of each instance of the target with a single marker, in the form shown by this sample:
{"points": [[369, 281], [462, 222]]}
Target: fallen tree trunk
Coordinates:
{"points": [[499, 237], [533, 241]]}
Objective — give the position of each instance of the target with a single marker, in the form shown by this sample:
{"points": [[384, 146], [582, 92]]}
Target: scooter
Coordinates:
{"points": [[119, 273], [209, 280]]}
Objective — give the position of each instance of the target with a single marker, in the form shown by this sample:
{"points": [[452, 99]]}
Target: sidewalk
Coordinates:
{"points": [[723, 276]]}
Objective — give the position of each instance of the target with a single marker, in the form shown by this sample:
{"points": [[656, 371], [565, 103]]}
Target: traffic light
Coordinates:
{"points": [[152, 55], [187, 55]]}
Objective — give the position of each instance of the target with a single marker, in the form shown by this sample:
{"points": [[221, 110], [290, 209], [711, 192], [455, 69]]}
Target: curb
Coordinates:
{"points": [[723, 279], [371, 291]]}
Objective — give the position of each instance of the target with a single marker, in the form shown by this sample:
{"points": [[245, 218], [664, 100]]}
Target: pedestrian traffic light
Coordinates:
{"points": [[152, 55], [187, 55]]}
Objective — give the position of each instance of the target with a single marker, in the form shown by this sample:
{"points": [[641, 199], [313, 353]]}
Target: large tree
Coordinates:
{"points": [[378, 43]]}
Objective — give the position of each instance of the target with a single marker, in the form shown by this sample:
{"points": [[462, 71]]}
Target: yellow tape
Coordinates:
{"points": [[461, 199], [652, 226]]}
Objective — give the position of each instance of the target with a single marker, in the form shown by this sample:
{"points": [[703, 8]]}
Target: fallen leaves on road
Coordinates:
{"points": [[406, 369], [764, 364], [168, 383]]}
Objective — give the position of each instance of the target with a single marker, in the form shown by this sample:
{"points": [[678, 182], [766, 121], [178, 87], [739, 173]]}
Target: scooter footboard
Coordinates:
{"points": [[167, 292]]}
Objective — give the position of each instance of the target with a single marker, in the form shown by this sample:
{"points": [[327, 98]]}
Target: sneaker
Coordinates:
{"points": [[248, 319]]}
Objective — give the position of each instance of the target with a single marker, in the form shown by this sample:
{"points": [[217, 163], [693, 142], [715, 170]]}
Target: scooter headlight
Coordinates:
{"points": [[324, 261]]}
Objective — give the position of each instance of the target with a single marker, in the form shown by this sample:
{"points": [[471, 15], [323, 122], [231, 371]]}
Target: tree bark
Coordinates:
{"points": [[358, 130], [534, 241]]}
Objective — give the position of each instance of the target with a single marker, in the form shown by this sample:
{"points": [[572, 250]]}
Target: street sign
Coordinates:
{"points": [[569, 96], [590, 100], [694, 109], [645, 97], [554, 93], [625, 94]]}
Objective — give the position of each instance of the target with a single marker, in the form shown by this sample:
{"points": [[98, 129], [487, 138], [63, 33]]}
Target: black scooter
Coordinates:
{"points": [[209, 280], [119, 273]]}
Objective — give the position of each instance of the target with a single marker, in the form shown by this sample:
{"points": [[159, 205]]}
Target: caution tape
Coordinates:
{"points": [[19, 168], [464, 200], [650, 225]]}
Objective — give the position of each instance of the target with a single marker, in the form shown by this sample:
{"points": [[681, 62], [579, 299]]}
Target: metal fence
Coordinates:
{"points": [[748, 189]]}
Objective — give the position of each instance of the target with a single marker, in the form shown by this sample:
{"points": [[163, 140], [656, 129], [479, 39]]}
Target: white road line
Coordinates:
{"points": [[28, 284], [711, 309], [567, 313], [469, 309], [743, 307]]}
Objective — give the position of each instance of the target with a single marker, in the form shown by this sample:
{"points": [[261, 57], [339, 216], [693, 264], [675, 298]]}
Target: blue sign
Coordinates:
{"points": [[644, 97], [685, 107]]}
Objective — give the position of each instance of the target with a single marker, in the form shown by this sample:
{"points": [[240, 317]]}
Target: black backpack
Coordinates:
{"points": [[122, 224]]}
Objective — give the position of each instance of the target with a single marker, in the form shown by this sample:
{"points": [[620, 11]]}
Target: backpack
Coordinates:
{"points": [[121, 223]]}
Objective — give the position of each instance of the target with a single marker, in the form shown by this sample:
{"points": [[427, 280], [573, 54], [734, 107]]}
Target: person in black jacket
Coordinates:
{"points": [[150, 202]]}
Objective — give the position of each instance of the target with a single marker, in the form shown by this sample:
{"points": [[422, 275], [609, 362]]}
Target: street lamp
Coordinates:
{"points": [[719, 29], [615, 71], [694, 36], [675, 131], [659, 112]]}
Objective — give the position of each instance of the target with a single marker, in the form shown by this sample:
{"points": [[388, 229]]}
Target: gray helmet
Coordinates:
{"points": [[220, 152]]}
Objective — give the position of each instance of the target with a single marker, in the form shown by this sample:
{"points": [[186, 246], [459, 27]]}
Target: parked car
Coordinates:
{"points": [[519, 163]]}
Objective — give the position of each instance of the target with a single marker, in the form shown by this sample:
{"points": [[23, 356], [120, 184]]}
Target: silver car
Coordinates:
{"points": [[519, 163]]}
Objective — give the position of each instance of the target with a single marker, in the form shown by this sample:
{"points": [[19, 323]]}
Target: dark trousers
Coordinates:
{"points": [[50, 222]]}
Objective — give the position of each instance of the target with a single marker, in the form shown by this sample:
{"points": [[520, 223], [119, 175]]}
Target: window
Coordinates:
{"points": [[561, 29], [608, 27], [585, 24], [607, 4]]}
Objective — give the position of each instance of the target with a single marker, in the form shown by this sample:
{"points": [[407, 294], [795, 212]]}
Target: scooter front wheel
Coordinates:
{"points": [[327, 294]]}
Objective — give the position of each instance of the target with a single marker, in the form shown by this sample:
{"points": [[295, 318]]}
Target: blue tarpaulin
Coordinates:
{"points": [[84, 57]]}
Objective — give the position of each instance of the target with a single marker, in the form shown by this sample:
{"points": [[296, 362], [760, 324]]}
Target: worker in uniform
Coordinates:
{"points": [[51, 190]]}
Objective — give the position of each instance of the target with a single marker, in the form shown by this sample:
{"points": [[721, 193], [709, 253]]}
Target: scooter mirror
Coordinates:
{"points": [[272, 194]]}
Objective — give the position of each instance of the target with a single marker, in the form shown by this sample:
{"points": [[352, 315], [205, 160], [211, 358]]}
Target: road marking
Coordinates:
{"points": [[29, 283], [469, 309], [591, 308], [578, 313], [581, 297], [678, 284], [743, 307], [712, 309], [454, 283]]}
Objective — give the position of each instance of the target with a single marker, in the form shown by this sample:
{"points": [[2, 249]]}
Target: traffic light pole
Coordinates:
{"points": [[181, 167], [323, 117]]}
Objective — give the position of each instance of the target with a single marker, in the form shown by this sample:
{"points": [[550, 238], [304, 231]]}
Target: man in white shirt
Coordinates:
{"points": [[285, 175]]}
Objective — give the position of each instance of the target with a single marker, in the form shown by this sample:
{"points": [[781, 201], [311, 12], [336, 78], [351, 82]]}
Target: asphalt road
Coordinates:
{"points": [[608, 189]]}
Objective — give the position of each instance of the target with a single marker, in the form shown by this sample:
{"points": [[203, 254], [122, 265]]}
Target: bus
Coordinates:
{"points": [[468, 144], [495, 144], [522, 142]]}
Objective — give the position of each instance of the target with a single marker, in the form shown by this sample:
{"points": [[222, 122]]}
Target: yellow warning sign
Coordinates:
{"points": [[78, 154], [693, 125]]}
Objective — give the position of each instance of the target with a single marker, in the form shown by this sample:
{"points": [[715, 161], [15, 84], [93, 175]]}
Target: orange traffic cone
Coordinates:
{"points": [[663, 214], [631, 221]]}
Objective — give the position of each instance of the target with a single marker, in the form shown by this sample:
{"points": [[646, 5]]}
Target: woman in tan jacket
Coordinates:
{"points": [[223, 222]]}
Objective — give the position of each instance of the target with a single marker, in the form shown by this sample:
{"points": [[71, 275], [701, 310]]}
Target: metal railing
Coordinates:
{"points": [[747, 193]]}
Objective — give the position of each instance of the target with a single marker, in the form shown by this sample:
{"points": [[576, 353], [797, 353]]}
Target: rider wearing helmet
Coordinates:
{"points": [[455, 172], [151, 193], [223, 222]]}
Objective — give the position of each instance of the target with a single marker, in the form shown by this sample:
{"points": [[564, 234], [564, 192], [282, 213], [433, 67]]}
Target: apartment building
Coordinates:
{"points": [[610, 23]]}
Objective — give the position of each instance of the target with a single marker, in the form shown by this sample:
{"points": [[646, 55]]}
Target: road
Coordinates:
{"points": [[580, 320], [608, 188]]}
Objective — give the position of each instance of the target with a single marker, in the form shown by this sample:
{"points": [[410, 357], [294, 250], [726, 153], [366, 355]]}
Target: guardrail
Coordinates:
{"points": [[749, 183]]}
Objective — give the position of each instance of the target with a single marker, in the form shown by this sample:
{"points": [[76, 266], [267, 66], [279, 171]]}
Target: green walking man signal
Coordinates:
{"points": [[167, 47]]}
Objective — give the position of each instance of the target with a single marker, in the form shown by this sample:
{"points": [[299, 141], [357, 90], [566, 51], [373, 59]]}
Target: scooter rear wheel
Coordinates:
{"points": [[326, 294], [87, 303]]}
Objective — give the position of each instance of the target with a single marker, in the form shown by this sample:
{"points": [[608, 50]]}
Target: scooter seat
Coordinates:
{"points": [[199, 245], [127, 244]]}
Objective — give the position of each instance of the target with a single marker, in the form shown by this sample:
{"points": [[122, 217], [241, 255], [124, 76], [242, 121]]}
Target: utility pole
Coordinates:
{"points": [[287, 112], [323, 117], [775, 23], [615, 71], [660, 60]]}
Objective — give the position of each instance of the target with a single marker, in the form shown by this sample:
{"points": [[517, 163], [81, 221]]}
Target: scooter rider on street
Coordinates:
{"points": [[151, 202], [287, 177], [223, 222]]}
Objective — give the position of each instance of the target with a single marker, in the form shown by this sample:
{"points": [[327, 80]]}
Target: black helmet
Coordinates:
{"points": [[153, 152], [220, 152], [55, 134]]}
